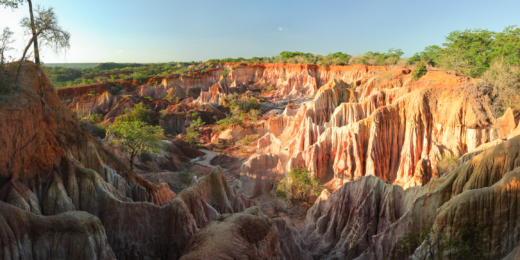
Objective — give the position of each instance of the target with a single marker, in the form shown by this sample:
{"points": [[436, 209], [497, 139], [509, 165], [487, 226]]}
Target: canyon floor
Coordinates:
{"points": [[395, 157]]}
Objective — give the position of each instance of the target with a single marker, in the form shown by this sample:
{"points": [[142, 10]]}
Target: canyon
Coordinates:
{"points": [[375, 139]]}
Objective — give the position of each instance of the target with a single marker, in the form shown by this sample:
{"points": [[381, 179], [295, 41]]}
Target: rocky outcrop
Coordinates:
{"points": [[393, 134], [70, 235], [247, 235], [483, 190], [54, 167]]}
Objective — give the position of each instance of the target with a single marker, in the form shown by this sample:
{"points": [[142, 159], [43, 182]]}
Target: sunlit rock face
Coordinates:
{"points": [[375, 121]]}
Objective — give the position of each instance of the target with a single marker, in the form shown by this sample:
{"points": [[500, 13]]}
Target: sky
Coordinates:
{"points": [[170, 30]]}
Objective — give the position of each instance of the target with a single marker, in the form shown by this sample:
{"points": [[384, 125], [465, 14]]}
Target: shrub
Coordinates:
{"points": [[149, 99], [140, 76], [419, 71], [138, 113], [504, 83], [192, 136], [246, 140], [224, 72], [298, 183], [185, 173], [115, 90], [91, 93], [164, 114], [94, 118], [123, 76], [254, 114], [198, 121], [253, 104], [243, 150]]}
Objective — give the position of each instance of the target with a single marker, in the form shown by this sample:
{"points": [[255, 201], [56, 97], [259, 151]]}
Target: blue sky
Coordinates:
{"points": [[166, 30]]}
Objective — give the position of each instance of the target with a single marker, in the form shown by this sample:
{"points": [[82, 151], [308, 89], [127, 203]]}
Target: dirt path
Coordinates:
{"points": [[206, 158]]}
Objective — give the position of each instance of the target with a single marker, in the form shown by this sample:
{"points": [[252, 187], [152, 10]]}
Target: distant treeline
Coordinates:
{"points": [[470, 52]]}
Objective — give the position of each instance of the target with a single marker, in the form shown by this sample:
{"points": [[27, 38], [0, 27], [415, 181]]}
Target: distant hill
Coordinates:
{"points": [[72, 65]]}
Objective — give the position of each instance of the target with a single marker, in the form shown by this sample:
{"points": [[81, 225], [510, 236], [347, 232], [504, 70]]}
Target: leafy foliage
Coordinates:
{"points": [[465, 245], [94, 118], [419, 71], [192, 136], [298, 183], [138, 113], [197, 120], [473, 51], [115, 90], [135, 138]]}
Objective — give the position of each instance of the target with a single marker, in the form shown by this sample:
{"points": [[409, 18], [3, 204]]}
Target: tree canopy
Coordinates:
{"points": [[135, 138]]}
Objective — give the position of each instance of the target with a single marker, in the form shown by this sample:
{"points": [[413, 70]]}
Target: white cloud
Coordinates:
{"points": [[120, 51], [282, 29]]}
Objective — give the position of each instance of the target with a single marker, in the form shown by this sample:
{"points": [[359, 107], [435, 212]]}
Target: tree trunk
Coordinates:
{"points": [[36, 50], [23, 57], [132, 156]]}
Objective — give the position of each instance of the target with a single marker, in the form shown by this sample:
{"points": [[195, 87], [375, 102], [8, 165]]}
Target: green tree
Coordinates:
{"points": [[469, 50], [507, 44], [135, 138]]}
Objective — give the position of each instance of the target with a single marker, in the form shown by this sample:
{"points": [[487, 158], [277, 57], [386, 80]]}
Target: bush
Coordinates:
{"points": [[115, 90], [164, 114], [503, 80], [243, 150], [246, 140], [94, 118], [197, 121], [192, 136], [254, 114], [298, 183], [419, 71], [224, 72], [253, 104], [138, 113]]}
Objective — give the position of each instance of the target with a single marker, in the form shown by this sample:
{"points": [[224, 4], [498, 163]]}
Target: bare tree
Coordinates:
{"points": [[44, 26], [6, 71]]}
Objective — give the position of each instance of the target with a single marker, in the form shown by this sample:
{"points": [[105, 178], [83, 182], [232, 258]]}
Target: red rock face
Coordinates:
{"points": [[394, 134]]}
